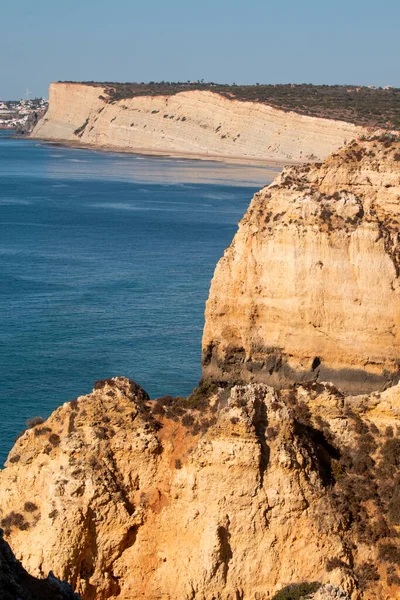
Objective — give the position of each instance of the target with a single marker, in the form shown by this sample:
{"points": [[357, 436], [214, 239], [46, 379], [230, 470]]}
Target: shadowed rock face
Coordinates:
{"points": [[309, 288], [17, 584], [226, 495]]}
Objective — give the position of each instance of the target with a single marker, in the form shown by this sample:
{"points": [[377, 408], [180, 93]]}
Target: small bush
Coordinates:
{"points": [[178, 464], [34, 421], [391, 453], [30, 507], [101, 383], [158, 408], [373, 429], [394, 509], [389, 553], [14, 520], [41, 431], [296, 591], [334, 563], [392, 577], [54, 439], [15, 459], [365, 573], [389, 431], [199, 397], [196, 429], [187, 420]]}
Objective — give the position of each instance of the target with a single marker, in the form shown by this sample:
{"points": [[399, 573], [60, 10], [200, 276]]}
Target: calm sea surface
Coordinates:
{"points": [[106, 261]]}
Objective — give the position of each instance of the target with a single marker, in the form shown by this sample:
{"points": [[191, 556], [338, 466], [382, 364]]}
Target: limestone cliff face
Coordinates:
{"points": [[309, 288], [231, 494], [189, 123], [17, 584]]}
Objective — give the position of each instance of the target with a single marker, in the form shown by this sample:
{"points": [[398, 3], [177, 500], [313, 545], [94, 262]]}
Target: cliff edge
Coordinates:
{"points": [[243, 491], [309, 288], [226, 494], [191, 123]]}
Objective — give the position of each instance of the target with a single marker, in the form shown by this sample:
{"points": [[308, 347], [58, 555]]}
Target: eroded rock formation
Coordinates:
{"points": [[226, 495], [17, 584], [198, 123], [309, 288], [243, 492]]}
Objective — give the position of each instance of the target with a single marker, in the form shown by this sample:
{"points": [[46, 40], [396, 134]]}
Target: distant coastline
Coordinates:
{"points": [[198, 124]]}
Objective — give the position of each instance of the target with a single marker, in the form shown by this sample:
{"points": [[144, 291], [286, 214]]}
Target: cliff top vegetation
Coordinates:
{"points": [[373, 107]]}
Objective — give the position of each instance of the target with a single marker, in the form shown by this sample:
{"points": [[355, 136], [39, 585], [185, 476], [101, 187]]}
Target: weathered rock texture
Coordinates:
{"points": [[17, 584], [189, 123], [309, 288], [226, 495]]}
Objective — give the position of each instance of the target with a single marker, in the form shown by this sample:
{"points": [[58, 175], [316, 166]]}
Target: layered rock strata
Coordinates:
{"points": [[226, 495], [197, 123], [309, 288]]}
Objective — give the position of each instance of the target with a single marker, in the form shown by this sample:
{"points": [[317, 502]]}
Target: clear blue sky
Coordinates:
{"points": [[242, 41]]}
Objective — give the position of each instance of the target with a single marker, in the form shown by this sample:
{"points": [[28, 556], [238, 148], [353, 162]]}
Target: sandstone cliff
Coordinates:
{"points": [[248, 492], [226, 495], [309, 288], [17, 584], [198, 123]]}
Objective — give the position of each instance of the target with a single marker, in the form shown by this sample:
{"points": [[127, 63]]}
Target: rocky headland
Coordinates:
{"points": [[227, 494], [198, 123], [268, 482], [309, 288]]}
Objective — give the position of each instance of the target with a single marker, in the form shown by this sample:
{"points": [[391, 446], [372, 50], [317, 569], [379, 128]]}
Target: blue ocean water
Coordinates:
{"points": [[106, 261]]}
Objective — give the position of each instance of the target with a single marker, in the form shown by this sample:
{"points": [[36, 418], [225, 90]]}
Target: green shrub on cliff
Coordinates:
{"points": [[296, 591]]}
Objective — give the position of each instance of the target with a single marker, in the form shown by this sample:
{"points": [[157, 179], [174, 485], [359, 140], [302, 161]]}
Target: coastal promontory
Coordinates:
{"points": [[197, 123], [278, 477], [309, 289], [242, 493]]}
